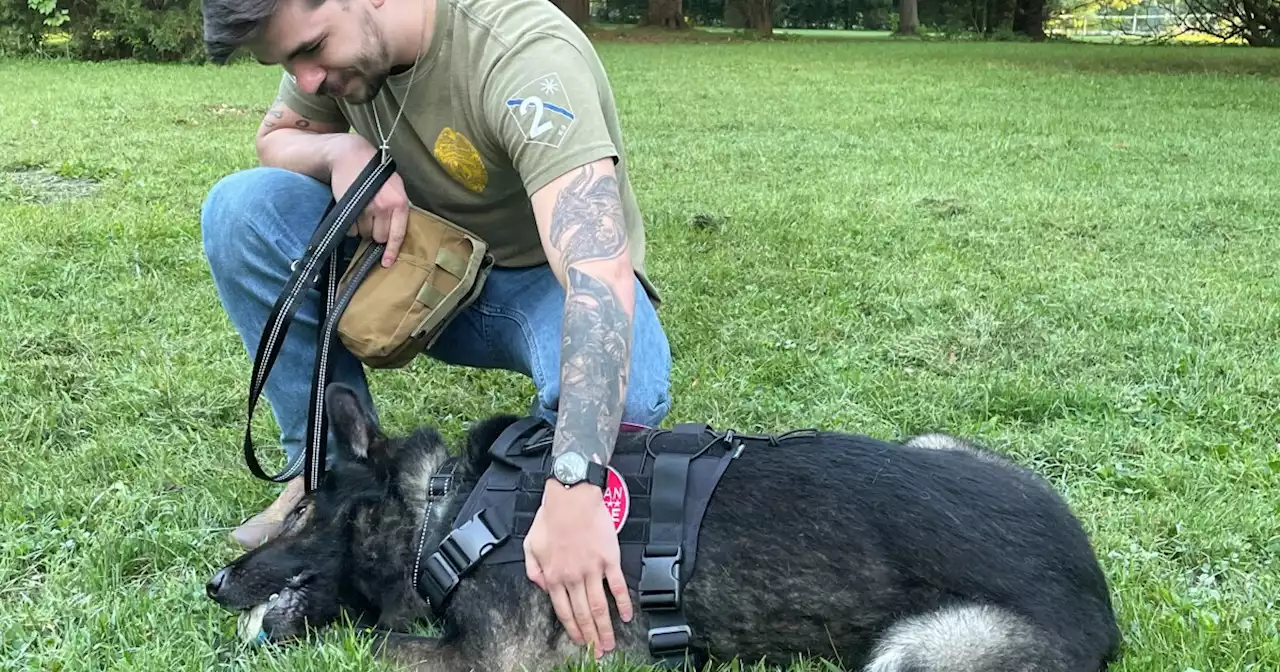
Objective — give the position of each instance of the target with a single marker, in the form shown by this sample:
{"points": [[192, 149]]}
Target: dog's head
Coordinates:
{"points": [[345, 545]]}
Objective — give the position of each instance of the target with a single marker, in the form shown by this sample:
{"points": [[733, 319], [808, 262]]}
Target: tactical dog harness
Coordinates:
{"points": [[669, 477]]}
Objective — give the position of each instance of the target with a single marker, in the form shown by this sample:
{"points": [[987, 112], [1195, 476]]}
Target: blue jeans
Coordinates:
{"points": [[255, 222]]}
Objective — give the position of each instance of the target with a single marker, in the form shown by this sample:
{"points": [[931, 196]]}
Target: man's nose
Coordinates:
{"points": [[215, 584]]}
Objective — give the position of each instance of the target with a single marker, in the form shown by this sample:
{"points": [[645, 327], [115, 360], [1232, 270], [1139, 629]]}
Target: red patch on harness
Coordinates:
{"points": [[617, 498]]}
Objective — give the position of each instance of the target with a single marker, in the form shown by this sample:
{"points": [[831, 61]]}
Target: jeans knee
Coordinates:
{"points": [[255, 207], [648, 404]]}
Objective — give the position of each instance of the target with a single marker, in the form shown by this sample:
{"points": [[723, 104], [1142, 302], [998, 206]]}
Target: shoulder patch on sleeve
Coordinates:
{"points": [[541, 110]]}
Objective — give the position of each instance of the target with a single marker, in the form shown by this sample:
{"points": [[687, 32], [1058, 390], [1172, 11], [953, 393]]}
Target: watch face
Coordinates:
{"points": [[570, 468]]}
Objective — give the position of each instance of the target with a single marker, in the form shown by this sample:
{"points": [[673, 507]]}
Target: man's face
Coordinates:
{"points": [[337, 49]]}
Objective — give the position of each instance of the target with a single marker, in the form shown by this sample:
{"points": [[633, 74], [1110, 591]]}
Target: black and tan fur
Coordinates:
{"points": [[928, 556]]}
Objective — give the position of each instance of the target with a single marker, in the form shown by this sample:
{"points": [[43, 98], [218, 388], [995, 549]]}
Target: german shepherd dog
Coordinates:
{"points": [[930, 555]]}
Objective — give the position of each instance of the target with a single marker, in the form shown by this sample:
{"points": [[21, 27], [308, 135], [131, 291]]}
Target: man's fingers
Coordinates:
{"points": [[582, 614], [618, 587], [381, 226], [399, 220], [599, 605], [564, 611]]}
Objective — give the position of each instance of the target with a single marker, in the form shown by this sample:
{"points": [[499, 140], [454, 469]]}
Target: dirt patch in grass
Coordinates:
{"points": [[42, 186]]}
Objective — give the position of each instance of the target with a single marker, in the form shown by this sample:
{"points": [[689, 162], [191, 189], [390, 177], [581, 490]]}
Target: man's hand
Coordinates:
{"points": [[326, 151], [572, 548], [387, 215]]}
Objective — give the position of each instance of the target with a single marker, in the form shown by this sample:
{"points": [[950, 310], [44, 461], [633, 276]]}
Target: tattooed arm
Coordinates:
{"points": [[289, 139], [580, 220], [572, 550], [324, 150]]}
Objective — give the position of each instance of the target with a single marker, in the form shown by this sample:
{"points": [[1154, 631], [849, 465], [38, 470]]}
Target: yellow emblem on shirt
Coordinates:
{"points": [[460, 159]]}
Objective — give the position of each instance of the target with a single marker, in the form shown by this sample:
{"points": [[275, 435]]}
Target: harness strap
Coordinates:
{"points": [[316, 265], [661, 596], [458, 554], [517, 438], [672, 479]]}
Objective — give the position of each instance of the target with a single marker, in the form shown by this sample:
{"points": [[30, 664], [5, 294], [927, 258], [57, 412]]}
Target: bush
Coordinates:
{"points": [[149, 30]]}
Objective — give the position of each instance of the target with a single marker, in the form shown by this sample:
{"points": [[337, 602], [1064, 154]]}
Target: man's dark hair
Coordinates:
{"points": [[230, 24]]}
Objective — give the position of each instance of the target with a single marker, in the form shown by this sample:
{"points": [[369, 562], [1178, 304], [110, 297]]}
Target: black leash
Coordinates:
{"points": [[318, 264]]}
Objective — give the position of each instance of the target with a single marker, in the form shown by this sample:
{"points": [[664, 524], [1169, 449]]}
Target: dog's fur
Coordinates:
{"points": [[926, 556]]}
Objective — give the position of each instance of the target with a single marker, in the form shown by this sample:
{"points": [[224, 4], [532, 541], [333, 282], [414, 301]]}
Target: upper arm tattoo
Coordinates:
{"points": [[275, 116], [586, 222]]}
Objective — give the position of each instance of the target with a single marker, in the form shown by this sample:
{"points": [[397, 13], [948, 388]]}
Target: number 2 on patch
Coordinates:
{"points": [[539, 126]]}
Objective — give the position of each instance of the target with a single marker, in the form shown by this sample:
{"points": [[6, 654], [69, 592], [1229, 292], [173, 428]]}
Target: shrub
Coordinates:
{"points": [[149, 30]]}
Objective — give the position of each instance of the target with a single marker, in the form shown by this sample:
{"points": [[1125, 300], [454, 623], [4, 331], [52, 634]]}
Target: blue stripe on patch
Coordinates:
{"points": [[515, 102]]}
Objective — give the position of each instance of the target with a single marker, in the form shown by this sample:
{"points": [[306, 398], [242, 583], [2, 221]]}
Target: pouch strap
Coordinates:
{"points": [[317, 264]]}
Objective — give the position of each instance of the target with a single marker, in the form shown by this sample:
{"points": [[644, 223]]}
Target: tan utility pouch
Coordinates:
{"points": [[395, 313]]}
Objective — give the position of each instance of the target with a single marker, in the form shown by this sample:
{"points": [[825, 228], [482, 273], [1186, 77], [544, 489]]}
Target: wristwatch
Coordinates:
{"points": [[574, 468]]}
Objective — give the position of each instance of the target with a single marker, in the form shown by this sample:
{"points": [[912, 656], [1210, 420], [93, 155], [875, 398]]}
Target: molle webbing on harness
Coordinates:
{"points": [[670, 477]]}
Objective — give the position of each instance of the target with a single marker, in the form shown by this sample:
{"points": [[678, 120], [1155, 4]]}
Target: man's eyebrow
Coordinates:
{"points": [[297, 51], [309, 45]]}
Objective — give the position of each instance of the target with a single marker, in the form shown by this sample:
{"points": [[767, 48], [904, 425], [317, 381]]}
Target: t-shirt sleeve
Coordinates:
{"points": [[544, 110], [315, 107]]}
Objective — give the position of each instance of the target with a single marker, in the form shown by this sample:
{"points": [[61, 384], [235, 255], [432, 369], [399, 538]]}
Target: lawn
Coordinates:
{"points": [[1065, 250]]}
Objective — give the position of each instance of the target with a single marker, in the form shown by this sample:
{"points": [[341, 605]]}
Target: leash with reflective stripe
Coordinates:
{"points": [[317, 264]]}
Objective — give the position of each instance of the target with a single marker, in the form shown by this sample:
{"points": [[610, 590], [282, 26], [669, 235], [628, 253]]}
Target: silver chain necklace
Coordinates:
{"points": [[385, 140]]}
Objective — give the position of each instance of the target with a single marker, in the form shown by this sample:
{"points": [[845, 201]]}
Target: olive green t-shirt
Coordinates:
{"points": [[508, 95]]}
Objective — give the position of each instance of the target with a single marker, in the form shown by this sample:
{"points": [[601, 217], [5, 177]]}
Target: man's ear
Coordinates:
{"points": [[352, 424]]}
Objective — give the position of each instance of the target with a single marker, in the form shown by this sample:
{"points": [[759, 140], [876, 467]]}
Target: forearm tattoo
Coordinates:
{"points": [[587, 226], [596, 352]]}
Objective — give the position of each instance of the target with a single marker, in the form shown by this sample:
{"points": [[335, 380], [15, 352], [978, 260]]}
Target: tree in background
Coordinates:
{"points": [[1257, 22], [908, 18], [752, 15], [579, 11], [666, 14]]}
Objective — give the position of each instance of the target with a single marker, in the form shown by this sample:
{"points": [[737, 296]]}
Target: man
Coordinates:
{"points": [[501, 119]]}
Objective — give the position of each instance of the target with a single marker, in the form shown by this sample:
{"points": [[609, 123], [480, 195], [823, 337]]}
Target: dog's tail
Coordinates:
{"points": [[967, 638]]}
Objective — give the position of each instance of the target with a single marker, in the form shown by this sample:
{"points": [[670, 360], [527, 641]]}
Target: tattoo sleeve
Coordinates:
{"points": [[586, 228]]}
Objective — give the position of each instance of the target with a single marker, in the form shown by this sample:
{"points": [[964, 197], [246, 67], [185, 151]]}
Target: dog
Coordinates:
{"points": [[927, 555]]}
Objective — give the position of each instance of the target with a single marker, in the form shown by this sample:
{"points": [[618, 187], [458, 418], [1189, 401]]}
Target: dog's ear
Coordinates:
{"points": [[352, 423]]}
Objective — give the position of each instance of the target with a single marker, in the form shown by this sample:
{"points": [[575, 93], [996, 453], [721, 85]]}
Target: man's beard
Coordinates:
{"points": [[365, 85], [369, 74]]}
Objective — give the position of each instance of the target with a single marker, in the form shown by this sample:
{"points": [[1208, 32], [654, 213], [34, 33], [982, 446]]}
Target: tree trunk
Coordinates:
{"points": [[759, 15], [1000, 16], [579, 11], [1028, 19], [908, 17], [734, 14], [666, 14]]}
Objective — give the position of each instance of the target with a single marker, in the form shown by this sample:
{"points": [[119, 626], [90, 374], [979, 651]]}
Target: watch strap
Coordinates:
{"points": [[596, 474]]}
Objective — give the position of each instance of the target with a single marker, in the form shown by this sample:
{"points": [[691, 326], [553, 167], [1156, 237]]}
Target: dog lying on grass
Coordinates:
{"points": [[931, 555]]}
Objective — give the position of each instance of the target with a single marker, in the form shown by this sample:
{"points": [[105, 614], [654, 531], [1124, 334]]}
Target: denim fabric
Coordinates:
{"points": [[255, 222]]}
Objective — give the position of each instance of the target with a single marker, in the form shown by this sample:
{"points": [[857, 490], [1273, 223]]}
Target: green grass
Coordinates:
{"points": [[1065, 250]]}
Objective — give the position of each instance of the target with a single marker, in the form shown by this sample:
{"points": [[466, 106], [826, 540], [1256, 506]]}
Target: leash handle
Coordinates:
{"points": [[316, 264]]}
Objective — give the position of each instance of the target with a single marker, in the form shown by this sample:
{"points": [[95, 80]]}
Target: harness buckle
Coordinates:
{"points": [[465, 546], [459, 553], [659, 578], [669, 640]]}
